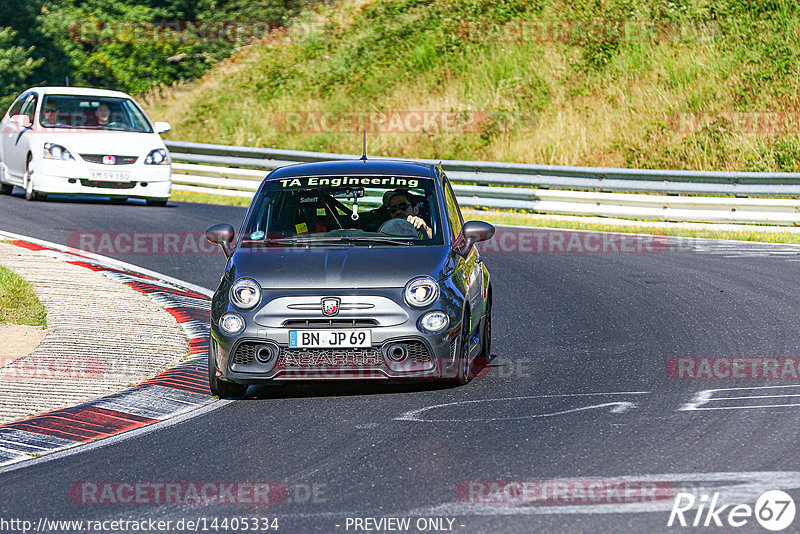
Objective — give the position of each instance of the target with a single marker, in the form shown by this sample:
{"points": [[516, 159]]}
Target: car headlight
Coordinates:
{"points": [[245, 293], [434, 322], [421, 291], [231, 323], [157, 157], [54, 151]]}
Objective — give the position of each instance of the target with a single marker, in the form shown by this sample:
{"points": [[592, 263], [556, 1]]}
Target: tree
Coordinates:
{"points": [[16, 66]]}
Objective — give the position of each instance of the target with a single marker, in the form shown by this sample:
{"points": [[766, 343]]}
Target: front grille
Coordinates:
{"points": [[120, 160], [244, 354], [302, 358], [322, 323], [418, 352], [108, 185]]}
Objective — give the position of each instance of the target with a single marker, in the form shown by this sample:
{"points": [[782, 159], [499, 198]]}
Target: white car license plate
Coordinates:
{"points": [[110, 176], [318, 339]]}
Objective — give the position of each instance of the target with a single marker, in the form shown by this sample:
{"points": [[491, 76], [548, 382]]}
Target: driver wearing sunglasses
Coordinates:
{"points": [[50, 115], [400, 206]]}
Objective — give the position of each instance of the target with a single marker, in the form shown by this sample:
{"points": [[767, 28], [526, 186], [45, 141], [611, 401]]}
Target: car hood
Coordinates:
{"points": [[336, 268], [106, 143]]}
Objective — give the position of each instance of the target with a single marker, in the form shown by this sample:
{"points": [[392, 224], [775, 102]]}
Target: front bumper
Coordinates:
{"points": [[381, 310], [396, 353], [145, 181]]}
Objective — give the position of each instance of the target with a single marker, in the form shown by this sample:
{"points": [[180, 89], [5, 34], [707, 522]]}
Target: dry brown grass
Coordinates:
{"points": [[545, 109]]}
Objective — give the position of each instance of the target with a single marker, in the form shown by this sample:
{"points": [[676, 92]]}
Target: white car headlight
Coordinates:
{"points": [[245, 293], [421, 291], [54, 151], [434, 322], [230, 323], [157, 157]]}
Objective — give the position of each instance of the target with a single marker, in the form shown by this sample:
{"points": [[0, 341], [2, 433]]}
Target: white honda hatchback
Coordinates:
{"points": [[79, 141]]}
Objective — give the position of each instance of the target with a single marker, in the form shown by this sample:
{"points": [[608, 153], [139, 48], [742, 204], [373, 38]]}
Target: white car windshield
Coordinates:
{"points": [[93, 112]]}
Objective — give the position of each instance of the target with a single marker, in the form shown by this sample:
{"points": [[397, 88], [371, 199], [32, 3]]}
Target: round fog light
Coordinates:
{"points": [[230, 323], [397, 352], [265, 353], [434, 322]]}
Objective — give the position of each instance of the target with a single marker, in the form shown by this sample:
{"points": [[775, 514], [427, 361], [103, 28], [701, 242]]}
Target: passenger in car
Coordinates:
{"points": [[103, 114]]}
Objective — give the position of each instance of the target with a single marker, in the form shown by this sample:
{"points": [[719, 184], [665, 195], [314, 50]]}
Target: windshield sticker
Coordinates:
{"points": [[315, 181], [320, 212], [257, 235], [301, 228]]}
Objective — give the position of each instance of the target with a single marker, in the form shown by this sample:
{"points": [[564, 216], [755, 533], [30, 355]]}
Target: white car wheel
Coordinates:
{"points": [[5, 187], [30, 192]]}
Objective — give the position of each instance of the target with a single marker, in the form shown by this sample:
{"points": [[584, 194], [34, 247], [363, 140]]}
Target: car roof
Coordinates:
{"points": [[83, 91], [382, 167]]}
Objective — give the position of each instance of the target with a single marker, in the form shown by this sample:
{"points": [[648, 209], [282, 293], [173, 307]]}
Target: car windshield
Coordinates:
{"points": [[347, 211], [93, 112]]}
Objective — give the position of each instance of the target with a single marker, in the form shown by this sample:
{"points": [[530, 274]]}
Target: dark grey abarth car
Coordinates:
{"points": [[350, 270]]}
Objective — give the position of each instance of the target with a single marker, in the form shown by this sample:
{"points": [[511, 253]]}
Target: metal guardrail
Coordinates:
{"points": [[742, 197]]}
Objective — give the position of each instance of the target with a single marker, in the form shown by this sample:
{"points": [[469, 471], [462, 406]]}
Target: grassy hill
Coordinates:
{"points": [[688, 84]]}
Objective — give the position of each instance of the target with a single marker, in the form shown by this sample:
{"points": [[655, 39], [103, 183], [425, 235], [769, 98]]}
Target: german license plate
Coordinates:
{"points": [[340, 339], [110, 176]]}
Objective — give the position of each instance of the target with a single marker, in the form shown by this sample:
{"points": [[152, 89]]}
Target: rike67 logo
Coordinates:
{"points": [[774, 510]]}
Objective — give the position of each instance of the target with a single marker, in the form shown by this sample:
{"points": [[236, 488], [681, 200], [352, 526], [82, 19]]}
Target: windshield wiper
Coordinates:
{"points": [[288, 241], [379, 239], [342, 239]]}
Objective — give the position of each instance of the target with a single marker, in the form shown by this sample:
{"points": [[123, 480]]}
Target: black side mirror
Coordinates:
{"points": [[222, 235], [472, 232]]}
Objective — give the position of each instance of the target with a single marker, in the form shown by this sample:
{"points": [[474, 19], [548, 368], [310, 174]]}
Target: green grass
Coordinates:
{"points": [[568, 96], [18, 302], [203, 198], [518, 218]]}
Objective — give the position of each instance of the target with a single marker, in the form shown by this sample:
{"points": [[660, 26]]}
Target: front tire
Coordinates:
{"points": [[221, 388], [30, 192], [465, 373], [486, 335], [5, 188]]}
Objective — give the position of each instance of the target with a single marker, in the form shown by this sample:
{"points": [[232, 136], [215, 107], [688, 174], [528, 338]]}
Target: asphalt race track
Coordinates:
{"points": [[579, 391]]}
